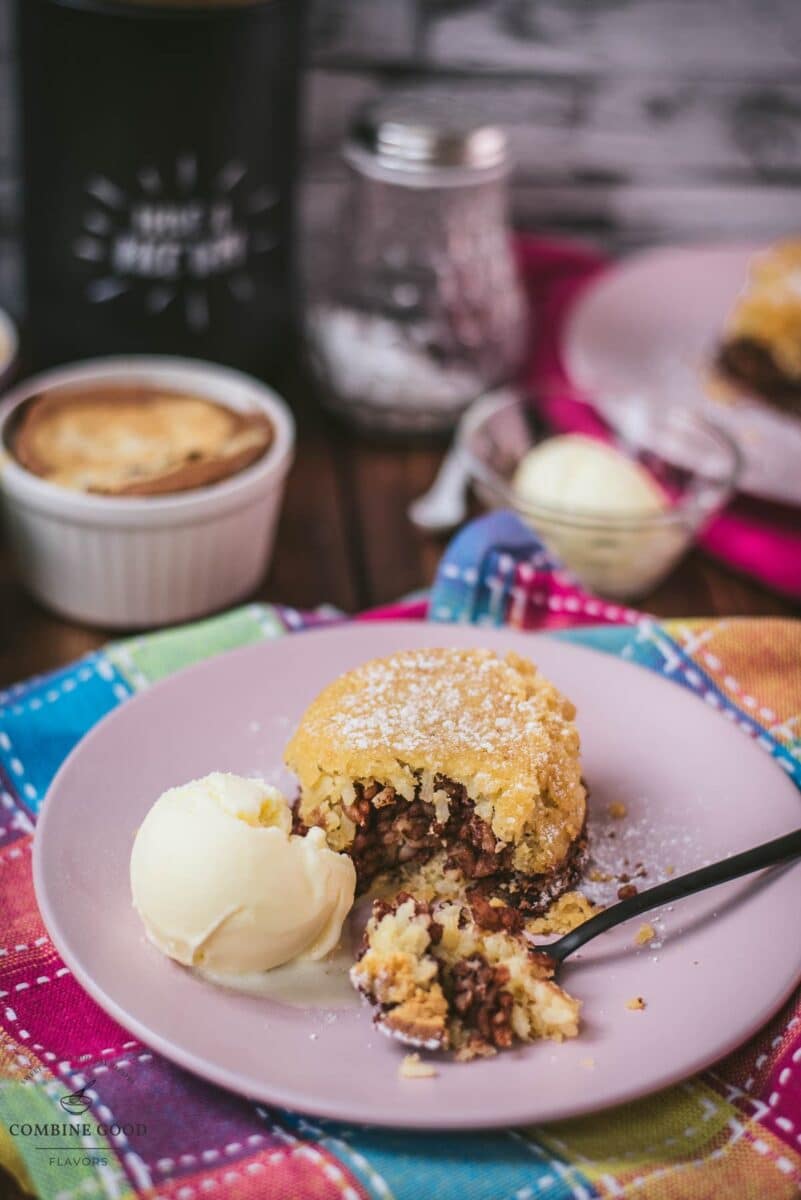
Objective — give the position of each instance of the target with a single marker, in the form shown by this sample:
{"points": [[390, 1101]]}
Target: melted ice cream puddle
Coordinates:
{"points": [[316, 985]]}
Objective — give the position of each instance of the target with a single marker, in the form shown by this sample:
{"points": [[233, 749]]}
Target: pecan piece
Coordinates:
{"points": [[480, 1000], [494, 917]]}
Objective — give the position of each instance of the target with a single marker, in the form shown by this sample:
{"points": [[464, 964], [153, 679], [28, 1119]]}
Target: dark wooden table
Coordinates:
{"points": [[345, 539]]}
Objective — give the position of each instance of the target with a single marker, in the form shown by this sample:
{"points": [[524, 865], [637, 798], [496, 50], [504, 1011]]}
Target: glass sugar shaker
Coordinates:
{"points": [[419, 309]]}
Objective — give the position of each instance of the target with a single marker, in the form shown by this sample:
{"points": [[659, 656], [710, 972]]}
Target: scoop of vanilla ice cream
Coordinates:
{"points": [[221, 882], [614, 545], [576, 472]]}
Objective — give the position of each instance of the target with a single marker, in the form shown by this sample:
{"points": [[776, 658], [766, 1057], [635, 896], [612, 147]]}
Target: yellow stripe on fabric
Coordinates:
{"points": [[730, 1170], [17, 1061], [11, 1160], [684, 1144], [672, 1125], [753, 662]]}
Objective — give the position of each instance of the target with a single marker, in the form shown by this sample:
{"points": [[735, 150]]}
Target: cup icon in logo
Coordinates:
{"points": [[76, 1102]]}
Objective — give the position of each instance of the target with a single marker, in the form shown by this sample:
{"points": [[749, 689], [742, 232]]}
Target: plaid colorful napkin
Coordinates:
{"points": [[732, 1132]]}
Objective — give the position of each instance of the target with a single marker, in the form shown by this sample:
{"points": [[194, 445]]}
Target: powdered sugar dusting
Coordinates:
{"points": [[645, 849], [473, 701]]}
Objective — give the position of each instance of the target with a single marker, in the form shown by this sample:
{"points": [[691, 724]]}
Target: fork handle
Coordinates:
{"points": [[779, 850]]}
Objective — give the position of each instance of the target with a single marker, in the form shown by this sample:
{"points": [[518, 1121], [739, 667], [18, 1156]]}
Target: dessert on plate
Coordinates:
{"points": [[135, 440], [447, 770], [446, 783], [439, 980], [761, 350]]}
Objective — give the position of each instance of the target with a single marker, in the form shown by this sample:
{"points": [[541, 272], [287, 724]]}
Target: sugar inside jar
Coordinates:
{"points": [[417, 308]]}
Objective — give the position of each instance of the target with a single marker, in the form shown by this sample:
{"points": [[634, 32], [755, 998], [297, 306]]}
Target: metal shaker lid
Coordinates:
{"points": [[410, 131]]}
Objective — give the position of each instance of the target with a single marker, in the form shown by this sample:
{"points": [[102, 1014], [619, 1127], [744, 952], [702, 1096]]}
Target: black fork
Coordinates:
{"points": [[769, 854]]}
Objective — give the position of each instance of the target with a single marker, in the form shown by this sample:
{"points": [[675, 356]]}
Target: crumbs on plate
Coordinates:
{"points": [[617, 810], [413, 1067], [566, 913], [596, 876], [646, 933], [636, 1004]]}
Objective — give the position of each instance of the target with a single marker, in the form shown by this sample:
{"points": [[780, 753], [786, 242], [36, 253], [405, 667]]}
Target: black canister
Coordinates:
{"points": [[159, 145]]}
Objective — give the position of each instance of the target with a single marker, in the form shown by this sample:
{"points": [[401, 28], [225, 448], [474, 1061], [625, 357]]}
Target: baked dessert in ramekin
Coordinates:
{"points": [[446, 772], [143, 520], [134, 440]]}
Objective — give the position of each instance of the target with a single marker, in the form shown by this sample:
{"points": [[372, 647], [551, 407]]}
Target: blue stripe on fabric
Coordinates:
{"points": [[481, 1165], [477, 571], [41, 721]]}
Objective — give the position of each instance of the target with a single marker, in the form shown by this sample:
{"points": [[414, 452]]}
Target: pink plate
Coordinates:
{"points": [[695, 788], [646, 333]]}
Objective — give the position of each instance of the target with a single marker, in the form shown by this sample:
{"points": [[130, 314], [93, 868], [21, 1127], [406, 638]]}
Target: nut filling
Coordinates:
{"points": [[438, 981], [476, 993], [392, 832], [751, 365]]}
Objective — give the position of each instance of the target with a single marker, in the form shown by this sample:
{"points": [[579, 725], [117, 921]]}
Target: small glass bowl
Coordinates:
{"points": [[619, 557]]}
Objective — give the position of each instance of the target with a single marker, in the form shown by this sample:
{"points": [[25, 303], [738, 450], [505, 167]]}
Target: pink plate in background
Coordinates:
{"points": [[646, 333], [695, 789]]}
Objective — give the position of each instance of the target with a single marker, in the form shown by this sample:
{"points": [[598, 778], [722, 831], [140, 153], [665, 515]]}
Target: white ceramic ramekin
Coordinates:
{"points": [[132, 562]]}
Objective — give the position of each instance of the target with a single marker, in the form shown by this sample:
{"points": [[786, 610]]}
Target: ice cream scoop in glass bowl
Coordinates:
{"points": [[620, 512]]}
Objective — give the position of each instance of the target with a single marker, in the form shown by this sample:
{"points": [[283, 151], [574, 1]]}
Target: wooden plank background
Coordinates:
{"points": [[631, 120]]}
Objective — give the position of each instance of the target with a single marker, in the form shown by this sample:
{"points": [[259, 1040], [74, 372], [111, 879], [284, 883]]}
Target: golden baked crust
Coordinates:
{"points": [[440, 981], [398, 727], [135, 441]]}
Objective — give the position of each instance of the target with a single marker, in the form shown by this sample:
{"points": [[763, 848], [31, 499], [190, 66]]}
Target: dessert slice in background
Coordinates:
{"points": [[761, 350]]}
